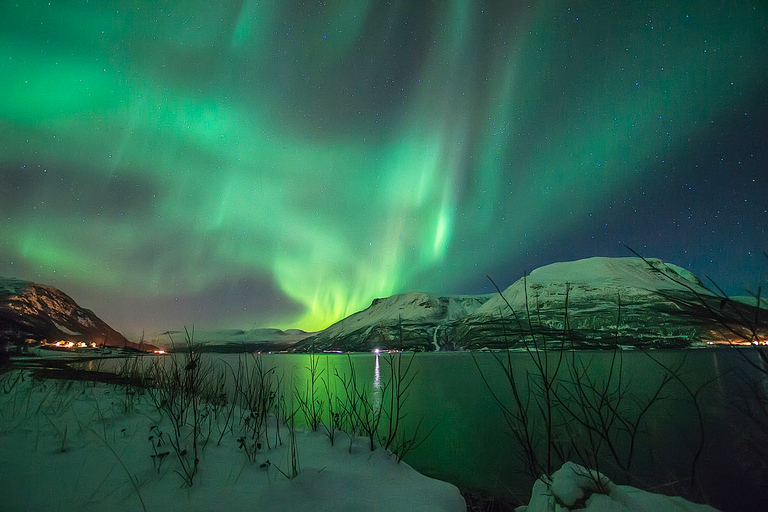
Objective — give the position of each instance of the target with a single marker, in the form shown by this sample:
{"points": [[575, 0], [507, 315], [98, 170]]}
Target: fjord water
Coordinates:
{"points": [[470, 445]]}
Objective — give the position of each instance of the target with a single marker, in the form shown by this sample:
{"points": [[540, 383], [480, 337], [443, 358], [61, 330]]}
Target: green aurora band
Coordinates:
{"points": [[346, 151]]}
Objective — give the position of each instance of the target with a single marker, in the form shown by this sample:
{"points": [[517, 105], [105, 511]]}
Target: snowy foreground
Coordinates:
{"points": [[73, 446], [77, 446]]}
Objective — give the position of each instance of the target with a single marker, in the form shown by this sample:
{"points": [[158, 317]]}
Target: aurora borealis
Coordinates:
{"points": [[256, 164]]}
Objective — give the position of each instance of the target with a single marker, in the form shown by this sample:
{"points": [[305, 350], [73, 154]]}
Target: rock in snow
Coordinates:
{"points": [[576, 488]]}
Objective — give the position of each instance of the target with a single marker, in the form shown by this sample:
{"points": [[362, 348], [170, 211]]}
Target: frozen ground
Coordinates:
{"points": [[75, 446]]}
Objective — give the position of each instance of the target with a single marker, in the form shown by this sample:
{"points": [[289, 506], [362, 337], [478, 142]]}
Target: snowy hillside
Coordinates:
{"points": [[233, 340], [32, 311], [629, 277], [417, 317], [607, 301], [630, 301]]}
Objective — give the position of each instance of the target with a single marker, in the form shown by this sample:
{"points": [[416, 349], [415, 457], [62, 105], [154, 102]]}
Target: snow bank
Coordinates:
{"points": [[73, 446], [574, 487]]}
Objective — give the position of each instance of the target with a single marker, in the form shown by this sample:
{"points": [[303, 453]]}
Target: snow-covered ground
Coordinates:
{"points": [[75, 446]]}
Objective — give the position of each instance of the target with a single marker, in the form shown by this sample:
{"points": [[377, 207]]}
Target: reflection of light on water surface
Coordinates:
{"points": [[377, 383]]}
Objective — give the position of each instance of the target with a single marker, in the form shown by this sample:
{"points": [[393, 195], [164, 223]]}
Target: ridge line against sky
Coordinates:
{"points": [[260, 164]]}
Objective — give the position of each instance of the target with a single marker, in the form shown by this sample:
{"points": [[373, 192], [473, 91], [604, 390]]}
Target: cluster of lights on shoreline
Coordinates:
{"points": [[72, 344]]}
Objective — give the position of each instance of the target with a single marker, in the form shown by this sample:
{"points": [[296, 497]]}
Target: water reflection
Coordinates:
{"points": [[377, 391]]}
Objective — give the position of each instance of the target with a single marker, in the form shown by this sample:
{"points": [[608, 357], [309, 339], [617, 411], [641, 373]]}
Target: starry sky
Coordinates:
{"points": [[280, 164]]}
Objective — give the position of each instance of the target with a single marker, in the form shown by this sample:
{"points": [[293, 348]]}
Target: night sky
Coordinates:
{"points": [[281, 164]]}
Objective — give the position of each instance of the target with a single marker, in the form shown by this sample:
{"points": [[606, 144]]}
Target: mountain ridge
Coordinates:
{"points": [[31, 311], [232, 340], [593, 303]]}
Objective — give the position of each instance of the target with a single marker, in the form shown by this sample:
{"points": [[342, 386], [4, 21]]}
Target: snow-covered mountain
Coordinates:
{"points": [[594, 302], [412, 320], [32, 311], [232, 340], [631, 301]]}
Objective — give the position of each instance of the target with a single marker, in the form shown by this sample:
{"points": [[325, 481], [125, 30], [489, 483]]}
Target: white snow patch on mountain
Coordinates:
{"points": [[409, 307], [608, 277]]}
